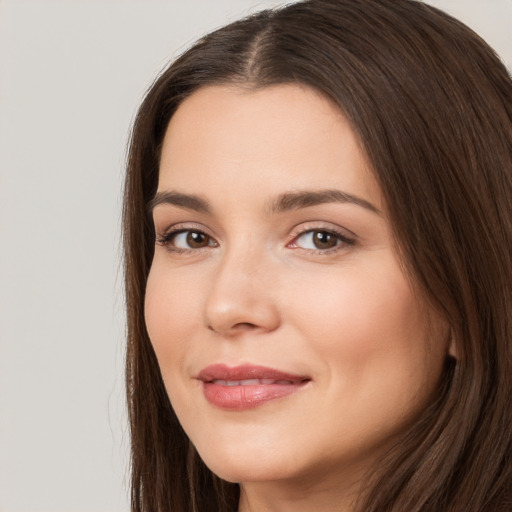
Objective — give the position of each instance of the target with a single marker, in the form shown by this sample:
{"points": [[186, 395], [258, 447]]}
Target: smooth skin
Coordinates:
{"points": [[241, 276]]}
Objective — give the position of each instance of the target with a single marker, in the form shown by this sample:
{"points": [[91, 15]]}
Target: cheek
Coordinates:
{"points": [[354, 302], [368, 326], [172, 312], [379, 360]]}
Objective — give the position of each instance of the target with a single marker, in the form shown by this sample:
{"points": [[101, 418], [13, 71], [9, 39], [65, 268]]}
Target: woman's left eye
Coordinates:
{"points": [[321, 240]]}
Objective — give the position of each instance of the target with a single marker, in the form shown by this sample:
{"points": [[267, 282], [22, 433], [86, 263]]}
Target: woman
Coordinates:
{"points": [[318, 230]]}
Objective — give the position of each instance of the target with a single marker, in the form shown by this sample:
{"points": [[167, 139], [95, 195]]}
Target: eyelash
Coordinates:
{"points": [[167, 238], [342, 240]]}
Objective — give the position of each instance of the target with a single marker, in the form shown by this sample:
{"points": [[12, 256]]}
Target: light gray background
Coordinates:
{"points": [[71, 76]]}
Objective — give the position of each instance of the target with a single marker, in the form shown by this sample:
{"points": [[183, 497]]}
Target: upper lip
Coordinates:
{"points": [[245, 372]]}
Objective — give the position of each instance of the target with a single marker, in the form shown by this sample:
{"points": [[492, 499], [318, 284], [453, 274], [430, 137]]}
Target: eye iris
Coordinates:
{"points": [[196, 240], [324, 240]]}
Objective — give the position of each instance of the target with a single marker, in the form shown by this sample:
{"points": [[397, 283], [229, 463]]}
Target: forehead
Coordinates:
{"points": [[284, 136]]}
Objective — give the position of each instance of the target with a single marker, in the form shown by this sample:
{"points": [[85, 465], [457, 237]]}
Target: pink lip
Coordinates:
{"points": [[222, 386]]}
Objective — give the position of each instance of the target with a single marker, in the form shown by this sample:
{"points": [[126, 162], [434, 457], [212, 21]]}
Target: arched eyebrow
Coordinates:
{"points": [[187, 201], [303, 199], [282, 203]]}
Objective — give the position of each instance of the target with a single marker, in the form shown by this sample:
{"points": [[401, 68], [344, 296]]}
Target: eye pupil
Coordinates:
{"points": [[324, 240], [195, 239]]}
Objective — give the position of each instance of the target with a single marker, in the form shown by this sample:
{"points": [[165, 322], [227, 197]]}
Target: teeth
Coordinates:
{"points": [[250, 382]]}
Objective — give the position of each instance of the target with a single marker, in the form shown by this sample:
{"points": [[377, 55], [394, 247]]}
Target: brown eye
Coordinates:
{"points": [[196, 239], [186, 240], [324, 240]]}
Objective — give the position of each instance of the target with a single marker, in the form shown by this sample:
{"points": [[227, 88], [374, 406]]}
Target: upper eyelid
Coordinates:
{"points": [[185, 226], [308, 226]]}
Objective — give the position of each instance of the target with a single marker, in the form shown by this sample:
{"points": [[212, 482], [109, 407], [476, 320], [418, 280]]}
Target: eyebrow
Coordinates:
{"points": [[188, 201], [303, 199], [283, 203]]}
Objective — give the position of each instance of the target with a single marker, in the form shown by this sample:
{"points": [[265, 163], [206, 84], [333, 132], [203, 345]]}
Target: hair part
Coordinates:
{"points": [[432, 106]]}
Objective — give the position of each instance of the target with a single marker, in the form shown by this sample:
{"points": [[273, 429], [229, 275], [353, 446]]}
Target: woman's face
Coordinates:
{"points": [[289, 339]]}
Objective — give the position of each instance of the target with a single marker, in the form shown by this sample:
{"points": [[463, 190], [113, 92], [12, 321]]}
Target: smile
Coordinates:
{"points": [[245, 387]]}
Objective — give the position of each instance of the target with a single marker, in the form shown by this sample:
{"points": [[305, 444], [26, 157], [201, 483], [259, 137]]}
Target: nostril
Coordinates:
{"points": [[238, 327], [244, 326]]}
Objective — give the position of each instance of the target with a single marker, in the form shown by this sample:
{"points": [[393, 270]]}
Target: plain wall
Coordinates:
{"points": [[71, 76]]}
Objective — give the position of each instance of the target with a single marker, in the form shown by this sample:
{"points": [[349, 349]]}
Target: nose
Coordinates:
{"points": [[242, 296]]}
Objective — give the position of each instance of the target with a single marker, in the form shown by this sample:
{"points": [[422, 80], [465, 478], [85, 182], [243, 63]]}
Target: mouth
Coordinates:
{"points": [[247, 386]]}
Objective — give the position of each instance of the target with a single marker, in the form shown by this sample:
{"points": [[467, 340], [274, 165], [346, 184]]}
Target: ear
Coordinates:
{"points": [[452, 345]]}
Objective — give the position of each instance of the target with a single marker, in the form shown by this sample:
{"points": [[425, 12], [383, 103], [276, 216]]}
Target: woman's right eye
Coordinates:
{"points": [[186, 240]]}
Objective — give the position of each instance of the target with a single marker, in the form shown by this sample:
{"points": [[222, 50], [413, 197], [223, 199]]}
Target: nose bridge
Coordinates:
{"points": [[241, 296]]}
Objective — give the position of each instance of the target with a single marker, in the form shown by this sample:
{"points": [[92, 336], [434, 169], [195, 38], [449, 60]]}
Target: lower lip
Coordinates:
{"points": [[240, 398]]}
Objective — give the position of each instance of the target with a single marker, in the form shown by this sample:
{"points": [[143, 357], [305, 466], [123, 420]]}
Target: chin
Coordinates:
{"points": [[248, 467]]}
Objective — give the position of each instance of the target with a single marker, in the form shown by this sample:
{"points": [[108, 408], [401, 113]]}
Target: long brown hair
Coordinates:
{"points": [[432, 106]]}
